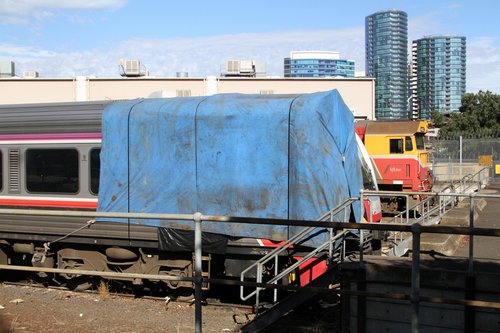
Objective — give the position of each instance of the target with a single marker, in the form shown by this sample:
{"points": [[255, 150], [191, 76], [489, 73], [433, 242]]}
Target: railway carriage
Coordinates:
{"points": [[253, 150]]}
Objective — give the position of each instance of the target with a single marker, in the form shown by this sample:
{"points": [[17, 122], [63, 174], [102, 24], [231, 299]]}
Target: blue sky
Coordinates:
{"points": [[66, 38]]}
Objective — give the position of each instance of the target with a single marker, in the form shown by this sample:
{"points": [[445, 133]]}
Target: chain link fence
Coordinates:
{"points": [[451, 160]]}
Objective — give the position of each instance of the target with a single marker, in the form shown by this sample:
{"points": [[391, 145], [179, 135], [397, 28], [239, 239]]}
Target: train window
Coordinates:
{"points": [[396, 146], [368, 181], [408, 144], [52, 170], [419, 138], [95, 166]]}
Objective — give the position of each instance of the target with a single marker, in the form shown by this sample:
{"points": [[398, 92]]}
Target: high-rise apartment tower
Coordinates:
{"points": [[386, 44], [438, 74]]}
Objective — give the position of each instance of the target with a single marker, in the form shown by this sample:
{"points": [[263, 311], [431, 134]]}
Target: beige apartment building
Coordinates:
{"points": [[358, 93]]}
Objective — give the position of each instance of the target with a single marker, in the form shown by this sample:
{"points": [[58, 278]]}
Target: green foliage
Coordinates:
{"points": [[437, 118], [479, 116]]}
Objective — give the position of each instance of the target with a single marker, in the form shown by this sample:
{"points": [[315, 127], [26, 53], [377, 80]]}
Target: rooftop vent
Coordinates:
{"points": [[30, 74], [132, 68], [244, 68]]}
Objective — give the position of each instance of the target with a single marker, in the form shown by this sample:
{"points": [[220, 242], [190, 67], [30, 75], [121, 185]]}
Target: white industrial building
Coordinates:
{"points": [[358, 93]]}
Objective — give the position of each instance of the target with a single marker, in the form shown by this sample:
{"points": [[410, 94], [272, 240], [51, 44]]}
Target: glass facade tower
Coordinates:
{"points": [[386, 46], [317, 64], [439, 81]]}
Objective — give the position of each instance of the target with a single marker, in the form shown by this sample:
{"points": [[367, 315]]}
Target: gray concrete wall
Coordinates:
{"points": [[446, 172], [440, 277]]}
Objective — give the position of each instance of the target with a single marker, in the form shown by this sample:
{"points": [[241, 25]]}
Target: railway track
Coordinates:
{"points": [[59, 303], [33, 307], [108, 288]]}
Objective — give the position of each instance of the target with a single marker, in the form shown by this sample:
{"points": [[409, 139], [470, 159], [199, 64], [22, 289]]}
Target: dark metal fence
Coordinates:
{"points": [[416, 230]]}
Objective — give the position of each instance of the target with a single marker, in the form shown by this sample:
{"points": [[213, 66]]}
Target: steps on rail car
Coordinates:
{"points": [[335, 250], [292, 301]]}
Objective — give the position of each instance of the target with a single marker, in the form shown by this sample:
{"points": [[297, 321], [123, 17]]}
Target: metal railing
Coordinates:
{"points": [[431, 209], [473, 182], [415, 229], [197, 219], [286, 245]]}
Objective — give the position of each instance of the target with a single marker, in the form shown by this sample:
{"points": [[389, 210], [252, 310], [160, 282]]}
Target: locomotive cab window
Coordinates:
{"points": [[52, 170], [396, 146], [95, 166], [419, 138], [408, 143]]}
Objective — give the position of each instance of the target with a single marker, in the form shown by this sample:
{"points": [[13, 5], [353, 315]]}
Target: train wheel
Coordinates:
{"points": [[79, 283], [393, 205], [183, 294]]}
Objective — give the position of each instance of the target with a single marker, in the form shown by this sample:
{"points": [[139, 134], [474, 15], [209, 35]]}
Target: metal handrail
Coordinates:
{"points": [[468, 182], [431, 213], [197, 218], [273, 254]]}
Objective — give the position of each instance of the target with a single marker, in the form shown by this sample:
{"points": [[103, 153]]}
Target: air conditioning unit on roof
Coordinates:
{"points": [[233, 66], [30, 74], [132, 68]]}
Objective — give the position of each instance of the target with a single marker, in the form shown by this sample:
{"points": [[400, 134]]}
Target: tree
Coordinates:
{"points": [[437, 118], [478, 116]]}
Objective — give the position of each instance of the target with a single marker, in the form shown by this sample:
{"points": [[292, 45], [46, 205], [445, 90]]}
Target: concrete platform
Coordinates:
{"points": [[486, 214], [489, 217], [448, 244]]}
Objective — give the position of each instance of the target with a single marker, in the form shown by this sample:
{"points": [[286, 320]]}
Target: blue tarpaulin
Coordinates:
{"points": [[266, 156]]}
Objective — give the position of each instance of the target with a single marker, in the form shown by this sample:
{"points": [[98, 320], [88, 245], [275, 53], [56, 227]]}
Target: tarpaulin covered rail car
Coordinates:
{"points": [[266, 156]]}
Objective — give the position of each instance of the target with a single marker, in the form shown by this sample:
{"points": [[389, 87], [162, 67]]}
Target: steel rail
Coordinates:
{"points": [[106, 274], [395, 296]]}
